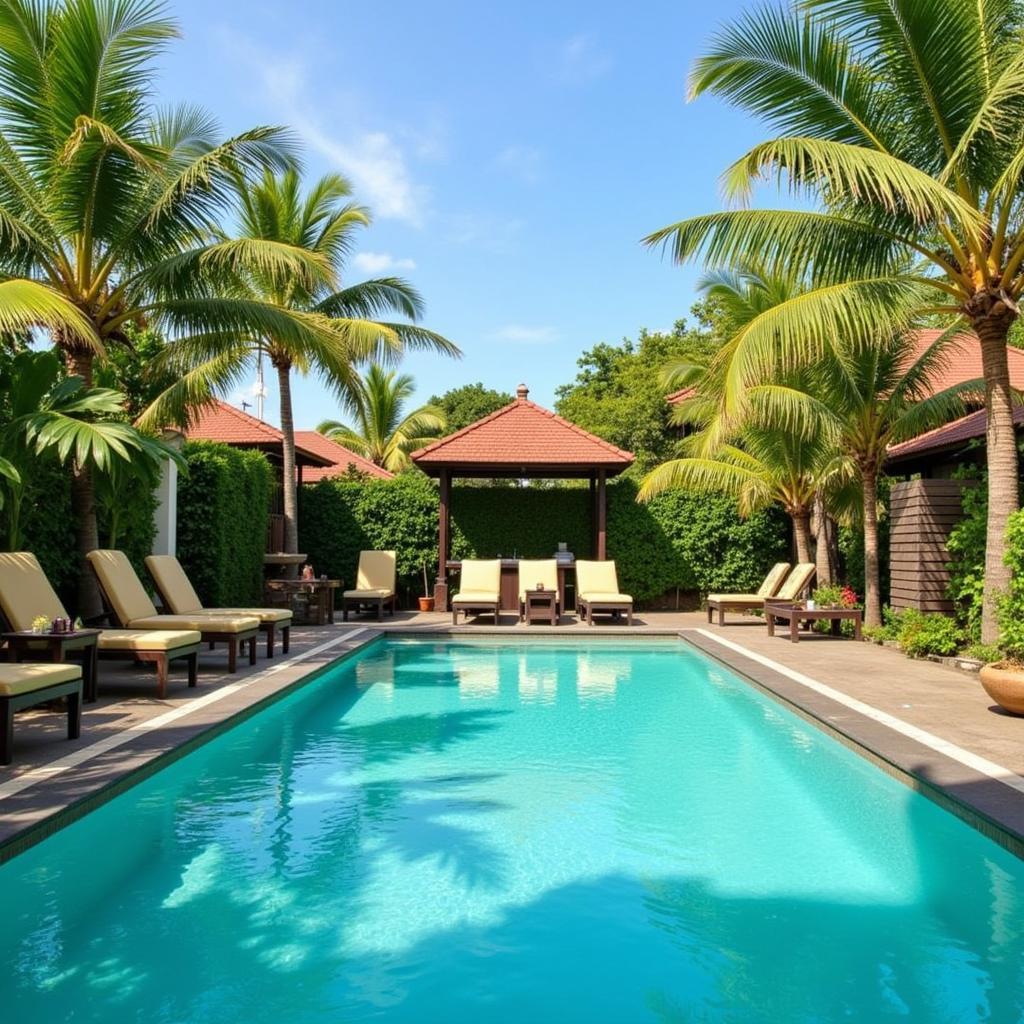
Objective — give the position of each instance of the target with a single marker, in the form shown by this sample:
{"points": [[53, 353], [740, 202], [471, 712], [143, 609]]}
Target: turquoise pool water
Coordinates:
{"points": [[462, 832]]}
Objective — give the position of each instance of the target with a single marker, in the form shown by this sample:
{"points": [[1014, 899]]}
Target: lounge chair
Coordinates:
{"points": [[23, 686], [597, 591], [532, 572], [375, 584], [795, 584], [25, 593], [479, 588], [129, 606], [178, 595]]}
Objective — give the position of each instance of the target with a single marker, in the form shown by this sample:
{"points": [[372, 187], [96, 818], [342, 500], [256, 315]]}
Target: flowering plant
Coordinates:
{"points": [[835, 596], [41, 624]]}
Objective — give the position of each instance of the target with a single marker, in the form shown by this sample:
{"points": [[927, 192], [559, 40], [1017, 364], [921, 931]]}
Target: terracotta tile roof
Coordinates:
{"points": [[949, 437], [681, 395], [522, 436], [341, 458], [228, 425]]}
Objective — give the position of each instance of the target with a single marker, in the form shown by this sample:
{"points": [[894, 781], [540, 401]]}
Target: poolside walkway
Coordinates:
{"points": [[915, 718]]}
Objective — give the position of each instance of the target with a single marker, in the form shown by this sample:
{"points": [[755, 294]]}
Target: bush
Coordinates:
{"points": [[920, 634], [223, 505], [677, 540], [1011, 608], [967, 568]]}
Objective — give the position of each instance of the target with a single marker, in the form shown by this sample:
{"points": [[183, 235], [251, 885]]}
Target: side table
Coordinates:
{"points": [[55, 647], [540, 606]]}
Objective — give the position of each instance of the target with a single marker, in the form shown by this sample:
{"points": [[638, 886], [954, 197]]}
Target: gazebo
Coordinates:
{"points": [[520, 441]]}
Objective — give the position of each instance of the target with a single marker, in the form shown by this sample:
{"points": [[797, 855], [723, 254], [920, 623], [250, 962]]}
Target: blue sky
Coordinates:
{"points": [[513, 156]]}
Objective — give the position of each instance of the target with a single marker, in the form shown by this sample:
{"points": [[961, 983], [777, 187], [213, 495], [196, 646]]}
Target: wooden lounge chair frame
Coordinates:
{"points": [[235, 641], [478, 607], [356, 603], [72, 689], [586, 610], [724, 604], [353, 599], [270, 628]]}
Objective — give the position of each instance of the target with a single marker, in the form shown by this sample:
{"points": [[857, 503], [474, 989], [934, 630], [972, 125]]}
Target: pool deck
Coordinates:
{"points": [[932, 726]]}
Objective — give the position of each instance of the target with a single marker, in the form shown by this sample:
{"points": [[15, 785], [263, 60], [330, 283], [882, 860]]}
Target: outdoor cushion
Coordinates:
{"points": [[121, 585], [17, 679], [147, 639], [263, 614], [476, 597], [203, 623], [376, 572], [25, 592], [600, 597], [173, 584], [796, 581], [773, 580], [745, 598], [481, 577], [534, 571], [368, 594], [597, 578]]}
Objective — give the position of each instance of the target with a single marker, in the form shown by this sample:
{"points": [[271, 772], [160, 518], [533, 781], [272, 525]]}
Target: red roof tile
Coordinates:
{"points": [[341, 458], [948, 437], [522, 436], [228, 425]]}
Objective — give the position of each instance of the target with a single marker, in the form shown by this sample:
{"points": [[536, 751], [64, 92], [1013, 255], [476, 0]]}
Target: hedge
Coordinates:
{"points": [[223, 506], [693, 543]]}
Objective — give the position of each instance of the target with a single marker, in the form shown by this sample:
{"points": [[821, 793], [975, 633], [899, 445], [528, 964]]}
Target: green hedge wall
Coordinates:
{"points": [[223, 505], [689, 542]]}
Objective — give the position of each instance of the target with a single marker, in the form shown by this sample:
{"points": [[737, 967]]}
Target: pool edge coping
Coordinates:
{"points": [[998, 814]]}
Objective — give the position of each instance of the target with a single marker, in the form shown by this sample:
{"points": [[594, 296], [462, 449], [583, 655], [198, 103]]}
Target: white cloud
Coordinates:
{"points": [[523, 161], [379, 262], [582, 59], [523, 334], [374, 159]]}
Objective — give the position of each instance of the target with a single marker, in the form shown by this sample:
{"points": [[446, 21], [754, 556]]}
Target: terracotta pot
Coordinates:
{"points": [[1005, 685], [426, 604]]}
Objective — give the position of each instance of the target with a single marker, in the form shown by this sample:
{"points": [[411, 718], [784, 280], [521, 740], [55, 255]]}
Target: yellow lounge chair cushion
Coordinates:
{"points": [[18, 679], [534, 571], [25, 592], [369, 595], [745, 598], [599, 597], [122, 587], [263, 614], [479, 576], [474, 597], [147, 639], [173, 584], [796, 581], [773, 580], [202, 623], [376, 572]]}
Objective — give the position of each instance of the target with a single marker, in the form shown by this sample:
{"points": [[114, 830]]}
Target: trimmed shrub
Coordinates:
{"points": [[966, 544], [49, 529], [676, 541], [1011, 609], [920, 634], [223, 505]]}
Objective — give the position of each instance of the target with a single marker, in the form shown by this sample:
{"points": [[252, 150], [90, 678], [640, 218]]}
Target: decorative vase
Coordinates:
{"points": [[1005, 685], [426, 604]]}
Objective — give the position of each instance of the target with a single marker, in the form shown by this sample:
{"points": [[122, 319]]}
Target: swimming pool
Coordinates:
{"points": [[516, 831]]}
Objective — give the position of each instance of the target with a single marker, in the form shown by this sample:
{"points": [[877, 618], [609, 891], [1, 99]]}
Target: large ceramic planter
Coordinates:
{"points": [[426, 604], [1005, 685]]}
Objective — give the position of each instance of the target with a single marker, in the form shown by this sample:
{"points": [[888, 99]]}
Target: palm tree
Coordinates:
{"points": [[343, 323], [105, 201], [906, 122], [384, 432]]}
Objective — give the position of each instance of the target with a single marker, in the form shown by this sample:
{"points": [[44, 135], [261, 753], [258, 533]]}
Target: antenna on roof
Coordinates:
{"points": [[246, 405]]}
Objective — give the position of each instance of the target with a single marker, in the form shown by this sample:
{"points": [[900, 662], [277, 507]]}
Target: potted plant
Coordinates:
{"points": [[426, 601], [1003, 681]]}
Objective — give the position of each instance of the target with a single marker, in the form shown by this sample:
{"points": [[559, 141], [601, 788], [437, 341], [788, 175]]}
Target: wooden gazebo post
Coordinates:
{"points": [[601, 552], [443, 540]]}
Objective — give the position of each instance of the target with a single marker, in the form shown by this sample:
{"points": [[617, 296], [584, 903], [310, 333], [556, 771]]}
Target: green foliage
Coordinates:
{"points": [[619, 393], [1011, 608], [987, 653], [966, 544], [223, 504], [676, 540], [344, 515], [469, 403], [48, 528], [919, 634], [135, 369]]}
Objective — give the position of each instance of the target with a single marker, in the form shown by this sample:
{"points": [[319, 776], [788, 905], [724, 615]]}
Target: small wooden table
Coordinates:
{"points": [[55, 647], [322, 608], [794, 614], [540, 606]]}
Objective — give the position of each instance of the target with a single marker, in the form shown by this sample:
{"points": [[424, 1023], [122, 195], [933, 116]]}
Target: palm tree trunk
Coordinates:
{"points": [[1003, 482], [822, 543], [79, 363], [802, 535], [872, 577], [288, 482]]}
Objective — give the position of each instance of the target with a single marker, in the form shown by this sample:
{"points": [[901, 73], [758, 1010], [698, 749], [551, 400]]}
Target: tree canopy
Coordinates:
{"points": [[469, 403]]}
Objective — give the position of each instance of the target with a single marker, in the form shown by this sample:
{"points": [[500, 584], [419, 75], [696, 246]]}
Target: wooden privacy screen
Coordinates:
{"points": [[922, 513]]}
